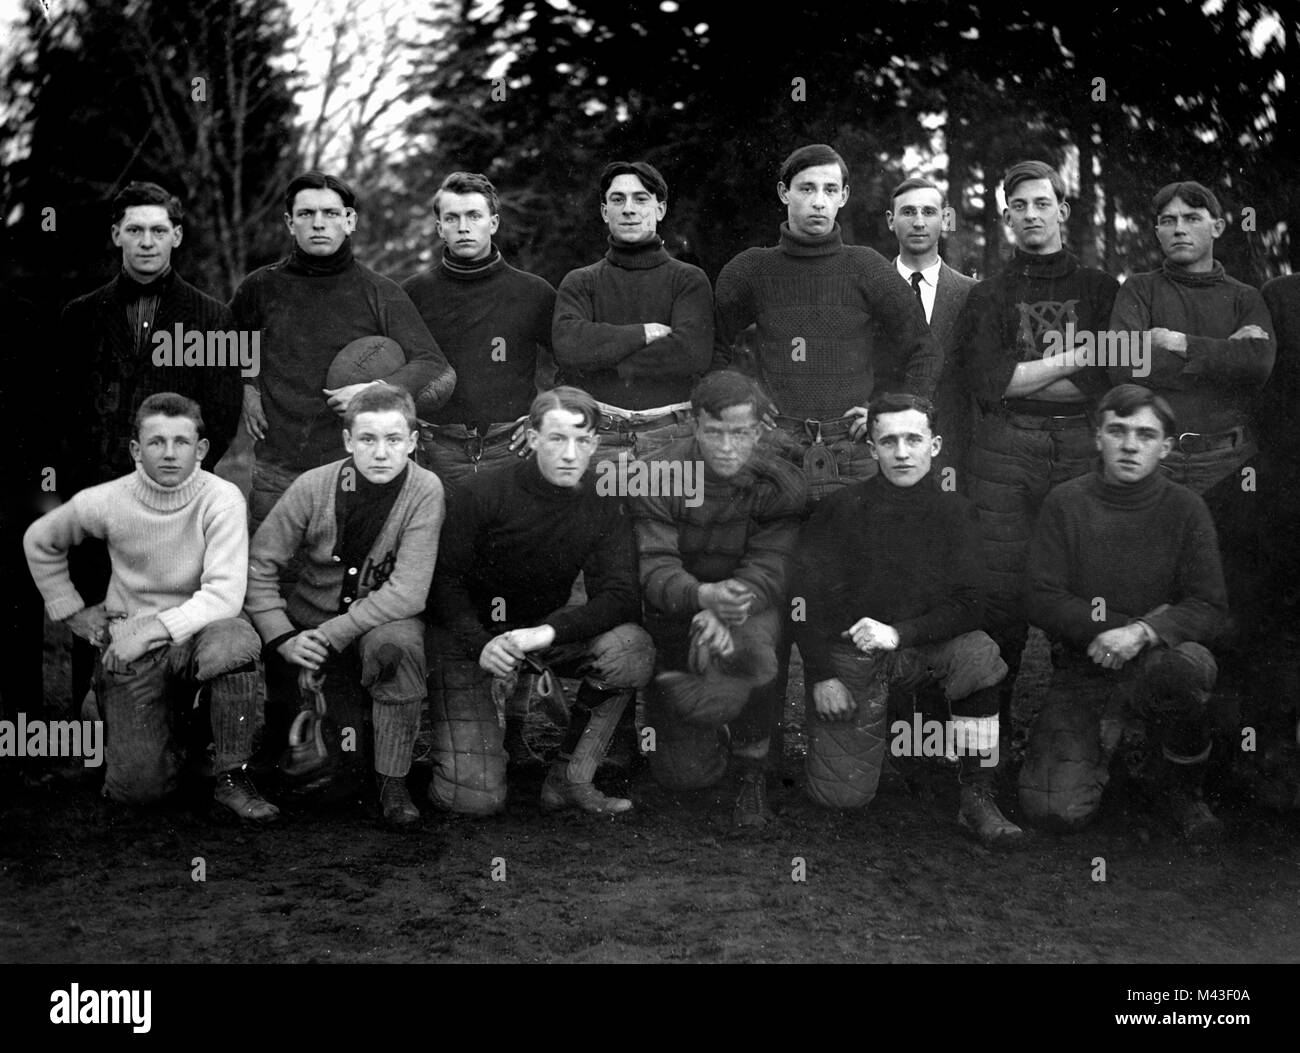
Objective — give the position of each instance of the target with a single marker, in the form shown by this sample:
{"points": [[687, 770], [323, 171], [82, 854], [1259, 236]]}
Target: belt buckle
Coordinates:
{"points": [[814, 429], [474, 445]]}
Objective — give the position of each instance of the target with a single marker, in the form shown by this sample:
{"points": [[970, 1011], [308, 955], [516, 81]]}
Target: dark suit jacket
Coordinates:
{"points": [[952, 403]]}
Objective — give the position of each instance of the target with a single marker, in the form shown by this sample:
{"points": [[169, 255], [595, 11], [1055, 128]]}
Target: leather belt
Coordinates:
{"points": [[817, 430], [468, 434], [1201, 442], [622, 421]]}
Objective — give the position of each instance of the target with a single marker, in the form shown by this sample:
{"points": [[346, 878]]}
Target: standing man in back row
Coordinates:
{"points": [[493, 323], [1033, 430], [634, 329], [308, 306]]}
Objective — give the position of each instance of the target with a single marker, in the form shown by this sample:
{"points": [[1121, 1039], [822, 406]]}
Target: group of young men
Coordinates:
{"points": [[889, 465]]}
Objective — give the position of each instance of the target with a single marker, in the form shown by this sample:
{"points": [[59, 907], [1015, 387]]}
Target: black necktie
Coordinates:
{"points": [[916, 288]]}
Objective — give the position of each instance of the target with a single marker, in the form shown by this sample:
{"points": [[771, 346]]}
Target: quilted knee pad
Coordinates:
{"points": [[1064, 776], [469, 759], [685, 757], [842, 769]]}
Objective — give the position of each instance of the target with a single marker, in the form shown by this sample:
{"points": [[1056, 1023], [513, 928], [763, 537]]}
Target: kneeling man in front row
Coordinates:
{"points": [[1124, 568], [515, 542], [366, 530], [891, 570], [177, 538], [714, 561]]}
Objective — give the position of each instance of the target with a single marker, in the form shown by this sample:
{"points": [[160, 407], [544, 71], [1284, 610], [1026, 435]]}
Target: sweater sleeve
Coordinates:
{"points": [[962, 610], [580, 342], [610, 577], [427, 372], [246, 312], [667, 585], [1201, 609], [903, 321], [225, 571], [732, 313], [46, 544], [687, 350], [450, 600], [770, 546], [222, 397], [986, 362], [1243, 361], [273, 547], [406, 591], [1049, 603]]}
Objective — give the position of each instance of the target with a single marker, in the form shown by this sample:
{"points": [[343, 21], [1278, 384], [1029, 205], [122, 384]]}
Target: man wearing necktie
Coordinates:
{"points": [[918, 216]]}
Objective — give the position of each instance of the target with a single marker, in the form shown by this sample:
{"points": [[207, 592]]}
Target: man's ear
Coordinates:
{"points": [[889, 218], [201, 449], [136, 450], [496, 222], [871, 448], [177, 232], [783, 193], [1065, 210], [661, 209], [288, 222], [116, 234], [347, 440], [948, 220], [844, 195], [1218, 227], [936, 444], [1006, 216], [1166, 446]]}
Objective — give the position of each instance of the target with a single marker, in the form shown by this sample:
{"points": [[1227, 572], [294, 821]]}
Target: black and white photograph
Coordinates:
{"points": [[554, 482]]}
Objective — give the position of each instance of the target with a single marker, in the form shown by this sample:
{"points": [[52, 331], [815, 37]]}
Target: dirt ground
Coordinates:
{"points": [[82, 880]]}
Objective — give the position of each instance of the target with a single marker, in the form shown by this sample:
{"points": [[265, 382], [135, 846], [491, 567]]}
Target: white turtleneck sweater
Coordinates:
{"points": [[178, 552]]}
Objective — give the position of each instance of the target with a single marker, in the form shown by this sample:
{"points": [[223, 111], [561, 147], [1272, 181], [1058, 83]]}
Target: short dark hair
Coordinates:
{"points": [[900, 402], [137, 193], [915, 183], [168, 404], [468, 183], [317, 180], [643, 170], [1023, 171], [1195, 194], [726, 388], [1125, 400], [380, 398], [569, 399], [809, 157]]}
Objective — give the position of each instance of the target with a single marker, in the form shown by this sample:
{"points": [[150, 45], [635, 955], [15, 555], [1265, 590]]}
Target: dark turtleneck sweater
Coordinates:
{"points": [[907, 556], [599, 326], [1007, 318], [105, 369], [308, 308], [513, 538], [1212, 386], [1146, 549], [817, 303], [491, 321]]}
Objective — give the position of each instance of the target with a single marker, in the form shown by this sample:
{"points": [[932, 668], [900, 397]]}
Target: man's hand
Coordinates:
{"points": [[501, 655], [308, 649], [91, 624], [520, 435], [1163, 339], [869, 635], [655, 331], [1114, 647], [859, 426], [833, 701], [730, 600], [1249, 332], [709, 632], [137, 641], [536, 638], [254, 417], [340, 397]]}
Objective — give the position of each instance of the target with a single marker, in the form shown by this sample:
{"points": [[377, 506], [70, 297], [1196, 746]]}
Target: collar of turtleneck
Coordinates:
{"points": [[639, 257], [167, 498], [794, 244], [887, 491], [1197, 279], [472, 270], [129, 290], [1052, 265], [1128, 495], [321, 266]]}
